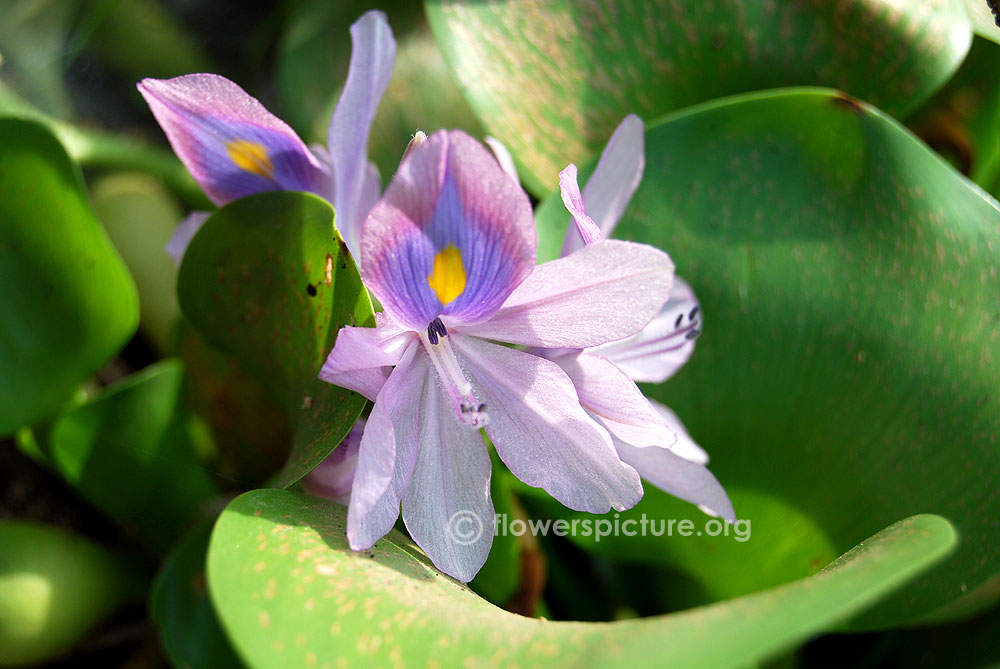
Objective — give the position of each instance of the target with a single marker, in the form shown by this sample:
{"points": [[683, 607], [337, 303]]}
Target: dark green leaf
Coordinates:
{"points": [[552, 79], [291, 593], [129, 453], [54, 588], [181, 607], [270, 281], [847, 374], [67, 302]]}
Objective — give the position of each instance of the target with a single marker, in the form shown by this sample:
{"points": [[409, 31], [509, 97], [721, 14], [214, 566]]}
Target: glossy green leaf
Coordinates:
{"points": [[180, 605], [128, 452], [552, 79], [54, 588], [847, 374], [291, 593], [270, 281], [66, 300]]}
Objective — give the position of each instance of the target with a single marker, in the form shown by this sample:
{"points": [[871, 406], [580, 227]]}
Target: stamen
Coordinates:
{"points": [[469, 410], [436, 329]]}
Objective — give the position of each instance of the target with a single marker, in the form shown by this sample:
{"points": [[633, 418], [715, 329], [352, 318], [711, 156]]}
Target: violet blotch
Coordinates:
{"points": [[449, 251], [234, 147], [646, 435]]}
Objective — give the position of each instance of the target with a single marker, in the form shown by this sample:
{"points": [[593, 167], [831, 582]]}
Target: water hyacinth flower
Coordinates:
{"points": [[647, 436], [234, 147], [450, 252]]}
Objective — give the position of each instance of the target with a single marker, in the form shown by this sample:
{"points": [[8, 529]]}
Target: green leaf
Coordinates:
{"points": [[291, 593], [33, 44], [66, 300], [54, 588], [129, 453], [270, 281], [140, 216], [847, 374], [960, 122], [552, 79], [189, 627]]}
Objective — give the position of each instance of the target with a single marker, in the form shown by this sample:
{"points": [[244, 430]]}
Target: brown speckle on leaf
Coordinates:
{"points": [[329, 270], [847, 102]]}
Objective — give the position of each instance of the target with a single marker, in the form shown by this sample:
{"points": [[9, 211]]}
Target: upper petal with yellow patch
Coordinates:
{"points": [[228, 141], [452, 237]]}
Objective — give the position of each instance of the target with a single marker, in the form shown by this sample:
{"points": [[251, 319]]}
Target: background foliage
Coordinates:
{"points": [[820, 173]]}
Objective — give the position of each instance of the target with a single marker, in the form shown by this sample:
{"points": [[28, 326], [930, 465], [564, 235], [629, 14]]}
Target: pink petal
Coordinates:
{"points": [[228, 141], [660, 349], [334, 477], [448, 192], [686, 447], [541, 432], [503, 157], [184, 233], [609, 393], [361, 358], [372, 57], [601, 293], [571, 197], [388, 451], [681, 478], [447, 507], [614, 181]]}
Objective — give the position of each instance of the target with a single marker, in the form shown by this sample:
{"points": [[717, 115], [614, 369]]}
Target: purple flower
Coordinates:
{"points": [[234, 147], [647, 436], [449, 251]]}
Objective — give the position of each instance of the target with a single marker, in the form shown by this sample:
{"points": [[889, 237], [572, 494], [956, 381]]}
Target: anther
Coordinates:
{"points": [[436, 329]]}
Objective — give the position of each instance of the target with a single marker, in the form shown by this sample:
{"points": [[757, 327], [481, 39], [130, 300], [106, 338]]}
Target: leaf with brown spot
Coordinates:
{"points": [[848, 370], [395, 605], [552, 78], [265, 319]]}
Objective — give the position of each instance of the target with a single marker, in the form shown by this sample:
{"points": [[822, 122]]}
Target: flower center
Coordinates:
{"points": [[448, 278], [468, 409]]}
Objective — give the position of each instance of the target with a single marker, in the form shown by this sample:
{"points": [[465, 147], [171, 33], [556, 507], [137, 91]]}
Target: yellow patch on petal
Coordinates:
{"points": [[250, 157], [448, 278]]}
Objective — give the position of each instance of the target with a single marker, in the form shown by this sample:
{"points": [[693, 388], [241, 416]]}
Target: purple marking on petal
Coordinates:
{"points": [[373, 53], [447, 507], [228, 141], [601, 293], [570, 190], [362, 358], [541, 432], [614, 181], [448, 192], [388, 451], [661, 348]]}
